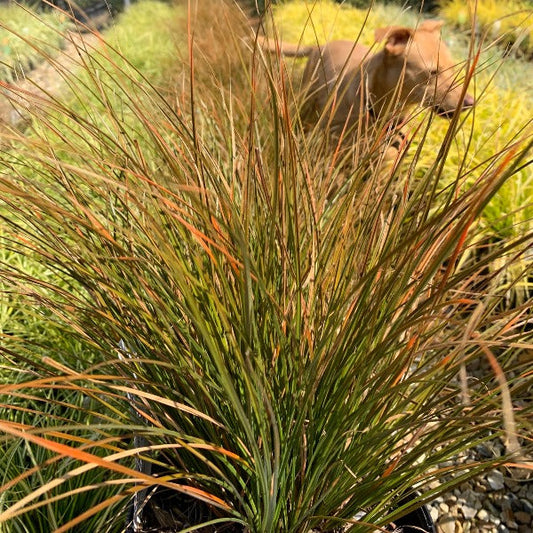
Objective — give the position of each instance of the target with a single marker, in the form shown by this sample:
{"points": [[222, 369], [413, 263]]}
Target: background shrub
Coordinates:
{"points": [[25, 37], [508, 23]]}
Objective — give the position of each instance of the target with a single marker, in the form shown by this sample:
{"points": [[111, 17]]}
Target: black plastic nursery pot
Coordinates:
{"points": [[168, 512], [417, 521]]}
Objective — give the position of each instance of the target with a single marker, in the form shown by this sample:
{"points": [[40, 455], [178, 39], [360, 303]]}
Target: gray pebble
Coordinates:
{"points": [[516, 505], [495, 480], [468, 512], [490, 508], [484, 451], [527, 505]]}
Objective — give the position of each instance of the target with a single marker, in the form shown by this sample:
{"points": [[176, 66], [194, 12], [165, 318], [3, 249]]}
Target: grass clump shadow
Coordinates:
{"points": [[226, 331]]}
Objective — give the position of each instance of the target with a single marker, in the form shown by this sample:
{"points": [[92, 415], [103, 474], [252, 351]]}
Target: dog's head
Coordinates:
{"points": [[420, 68]]}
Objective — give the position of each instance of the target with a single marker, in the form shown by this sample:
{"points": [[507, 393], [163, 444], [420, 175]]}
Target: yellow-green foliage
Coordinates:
{"points": [[134, 48], [21, 31], [500, 118], [149, 51], [511, 21], [309, 21]]}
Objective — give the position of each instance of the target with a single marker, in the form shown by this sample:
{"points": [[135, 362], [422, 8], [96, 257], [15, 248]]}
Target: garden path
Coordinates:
{"points": [[45, 81]]}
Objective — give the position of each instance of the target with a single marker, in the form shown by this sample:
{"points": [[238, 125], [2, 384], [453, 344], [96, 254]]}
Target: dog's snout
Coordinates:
{"points": [[448, 112], [468, 101]]}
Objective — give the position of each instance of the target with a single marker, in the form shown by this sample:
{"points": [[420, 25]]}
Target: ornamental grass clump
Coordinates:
{"points": [[224, 340]]}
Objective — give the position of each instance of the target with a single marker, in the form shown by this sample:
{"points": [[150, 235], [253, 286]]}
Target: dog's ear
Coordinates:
{"points": [[397, 38], [431, 25]]}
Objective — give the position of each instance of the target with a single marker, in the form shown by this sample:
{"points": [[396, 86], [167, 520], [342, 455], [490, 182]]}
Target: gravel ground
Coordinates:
{"points": [[501, 501]]}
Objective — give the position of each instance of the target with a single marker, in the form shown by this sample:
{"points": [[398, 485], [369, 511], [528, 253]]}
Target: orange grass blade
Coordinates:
{"points": [[69, 451]]}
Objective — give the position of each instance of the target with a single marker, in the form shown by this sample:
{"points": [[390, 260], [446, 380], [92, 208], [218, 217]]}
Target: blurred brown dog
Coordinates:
{"points": [[343, 81]]}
